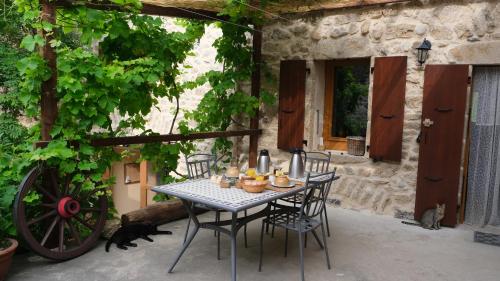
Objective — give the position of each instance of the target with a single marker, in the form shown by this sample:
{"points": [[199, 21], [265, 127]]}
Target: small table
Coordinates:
{"points": [[232, 200]]}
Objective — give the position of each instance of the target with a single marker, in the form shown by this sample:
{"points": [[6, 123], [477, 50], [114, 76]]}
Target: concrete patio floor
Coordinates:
{"points": [[363, 247]]}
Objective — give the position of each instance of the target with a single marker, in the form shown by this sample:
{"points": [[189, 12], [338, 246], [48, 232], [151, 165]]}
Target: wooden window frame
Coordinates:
{"points": [[329, 142]]}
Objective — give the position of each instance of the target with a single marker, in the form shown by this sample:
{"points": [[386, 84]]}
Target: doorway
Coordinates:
{"points": [[483, 176]]}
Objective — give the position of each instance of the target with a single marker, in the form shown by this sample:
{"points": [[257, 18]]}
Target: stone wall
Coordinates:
{"points": [[461, 32]]}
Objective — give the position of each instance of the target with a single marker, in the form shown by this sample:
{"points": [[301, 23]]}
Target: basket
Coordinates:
{"points": [[356, 146], [253, 186]]}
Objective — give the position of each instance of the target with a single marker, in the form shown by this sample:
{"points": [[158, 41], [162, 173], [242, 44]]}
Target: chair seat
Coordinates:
{"points": [[291, 221], [297, 199]]}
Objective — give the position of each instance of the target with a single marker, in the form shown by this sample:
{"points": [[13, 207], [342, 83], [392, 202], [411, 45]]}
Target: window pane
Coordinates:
{"points": [[350, 99]]}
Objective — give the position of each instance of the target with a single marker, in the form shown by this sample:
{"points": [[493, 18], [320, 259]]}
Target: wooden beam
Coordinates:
{"points": [[254, 122], [48, 101], [171, 138], [300, 7], [148, 9], [179, 12]]}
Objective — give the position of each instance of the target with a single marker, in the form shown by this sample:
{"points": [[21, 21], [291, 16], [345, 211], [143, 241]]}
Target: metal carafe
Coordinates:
{"points": [[296, 169], [263, 162]]}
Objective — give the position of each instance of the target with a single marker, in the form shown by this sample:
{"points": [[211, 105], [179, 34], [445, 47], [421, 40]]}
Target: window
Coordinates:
{"points": [[346, 101]]}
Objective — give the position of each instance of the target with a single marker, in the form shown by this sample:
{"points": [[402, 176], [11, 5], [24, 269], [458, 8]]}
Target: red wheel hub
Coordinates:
{"points": [[67, 207]]}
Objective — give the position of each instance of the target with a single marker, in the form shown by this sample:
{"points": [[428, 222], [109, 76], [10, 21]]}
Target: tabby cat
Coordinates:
{"points": [[124, 236], [431, 219]]}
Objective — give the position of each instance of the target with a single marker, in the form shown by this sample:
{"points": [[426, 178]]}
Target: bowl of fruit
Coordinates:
{"points": [[254, 186]]}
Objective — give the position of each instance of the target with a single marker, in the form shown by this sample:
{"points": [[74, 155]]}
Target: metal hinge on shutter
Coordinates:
{"points": [[469, 80]]}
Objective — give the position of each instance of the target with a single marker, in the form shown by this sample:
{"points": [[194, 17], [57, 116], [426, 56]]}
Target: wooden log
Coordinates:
{"points": [[158, 213]]}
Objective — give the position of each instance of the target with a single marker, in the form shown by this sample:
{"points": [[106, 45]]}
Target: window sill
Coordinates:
{"points": [[342, 157]]}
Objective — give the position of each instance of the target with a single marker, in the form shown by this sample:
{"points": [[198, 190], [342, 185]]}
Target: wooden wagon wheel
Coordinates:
{"points": [[55, 217]]}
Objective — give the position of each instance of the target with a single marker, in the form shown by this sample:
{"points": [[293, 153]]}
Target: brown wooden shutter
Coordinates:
{"points": [[291, 104], [442, 132], [388, 99]]}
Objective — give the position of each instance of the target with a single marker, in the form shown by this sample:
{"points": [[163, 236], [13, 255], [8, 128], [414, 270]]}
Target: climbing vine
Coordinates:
{"points": [[123, 63], [226, 101]]}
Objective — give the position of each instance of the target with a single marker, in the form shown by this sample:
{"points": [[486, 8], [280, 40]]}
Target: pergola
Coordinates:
{"points": [[191, 9], [45, 179]]}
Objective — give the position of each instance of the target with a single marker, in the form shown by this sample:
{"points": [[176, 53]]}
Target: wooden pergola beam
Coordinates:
{"points": [[255, 92], [48, 100], [147, 9]]}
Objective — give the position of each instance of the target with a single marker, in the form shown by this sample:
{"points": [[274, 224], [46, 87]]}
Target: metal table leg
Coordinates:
{"points": [[234, 231], [191, 236]]}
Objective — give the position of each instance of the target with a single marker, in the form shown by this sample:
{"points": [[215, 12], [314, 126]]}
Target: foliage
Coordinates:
{"points": [[226, 101], [112, 62], [348, 93], [14, 163]]}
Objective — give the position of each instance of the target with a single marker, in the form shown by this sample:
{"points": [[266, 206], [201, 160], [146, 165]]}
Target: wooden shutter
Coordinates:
{"points": [[388, 98], [441, 142], [291, 104]]}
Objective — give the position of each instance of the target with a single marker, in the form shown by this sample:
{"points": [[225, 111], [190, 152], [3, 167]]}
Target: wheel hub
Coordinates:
{"points": [[68, 207]]}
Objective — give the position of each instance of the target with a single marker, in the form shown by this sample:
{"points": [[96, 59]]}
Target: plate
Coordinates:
{"points": [[290, 184]]}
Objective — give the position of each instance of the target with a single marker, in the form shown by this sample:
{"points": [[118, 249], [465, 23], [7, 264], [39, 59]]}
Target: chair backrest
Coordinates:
{"points": [[199, 165], [316, 193], [318, 162]]}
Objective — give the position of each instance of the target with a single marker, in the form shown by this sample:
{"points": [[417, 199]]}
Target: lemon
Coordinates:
{"points": [[260, 178], [251, 172]]}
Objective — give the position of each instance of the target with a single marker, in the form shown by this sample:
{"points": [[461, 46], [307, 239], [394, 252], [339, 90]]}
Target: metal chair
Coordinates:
{"points": [[304, 219], [199, 166], [316, 162], [319, 162]]}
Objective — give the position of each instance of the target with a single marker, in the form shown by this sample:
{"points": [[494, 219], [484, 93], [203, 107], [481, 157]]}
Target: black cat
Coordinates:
{"points": [[124, 236]]}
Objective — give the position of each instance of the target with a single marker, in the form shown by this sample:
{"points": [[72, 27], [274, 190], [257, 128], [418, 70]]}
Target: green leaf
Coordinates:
{"points": [[30, 42]]}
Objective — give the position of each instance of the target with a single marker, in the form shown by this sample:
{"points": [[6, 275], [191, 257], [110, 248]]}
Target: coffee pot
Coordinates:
{"points": [[263, 162], [296, 169]]}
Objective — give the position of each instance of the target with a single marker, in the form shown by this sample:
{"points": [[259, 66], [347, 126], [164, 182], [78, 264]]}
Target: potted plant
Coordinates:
{"points": [[7, 248]]}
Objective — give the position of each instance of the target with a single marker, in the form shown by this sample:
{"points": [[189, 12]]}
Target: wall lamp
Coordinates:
{"points": [[423, 51]]}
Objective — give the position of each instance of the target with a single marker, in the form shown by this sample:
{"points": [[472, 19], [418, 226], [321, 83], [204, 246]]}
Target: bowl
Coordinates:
{"points": [[253, 186]]}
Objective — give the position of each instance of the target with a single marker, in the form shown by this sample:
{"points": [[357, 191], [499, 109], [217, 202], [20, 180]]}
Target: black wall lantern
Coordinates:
{"points": [[423, 51]]}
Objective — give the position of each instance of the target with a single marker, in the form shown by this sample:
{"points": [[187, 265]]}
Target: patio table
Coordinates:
{"points": [[233, 200]]}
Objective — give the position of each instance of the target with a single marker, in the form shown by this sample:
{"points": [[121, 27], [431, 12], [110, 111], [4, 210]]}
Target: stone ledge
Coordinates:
{"points": [[344, 158]]}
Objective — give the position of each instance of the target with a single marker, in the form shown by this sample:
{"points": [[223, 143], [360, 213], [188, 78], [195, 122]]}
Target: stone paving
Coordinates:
{"points": [[364, 247]]}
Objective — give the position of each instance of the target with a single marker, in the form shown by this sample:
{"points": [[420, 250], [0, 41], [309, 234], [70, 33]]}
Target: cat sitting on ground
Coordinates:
{"points": [[124, 236], [431, 219]]}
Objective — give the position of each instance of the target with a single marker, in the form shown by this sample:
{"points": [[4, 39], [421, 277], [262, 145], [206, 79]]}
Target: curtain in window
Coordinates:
{"points": [[483, 193]]}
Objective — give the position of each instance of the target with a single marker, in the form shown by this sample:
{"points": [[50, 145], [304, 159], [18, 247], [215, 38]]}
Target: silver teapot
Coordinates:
{"points": [[263, 162], [296, 169]]}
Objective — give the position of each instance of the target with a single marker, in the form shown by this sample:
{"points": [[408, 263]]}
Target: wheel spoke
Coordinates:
{"points": [[74, 233], [83, 198], [55, 183], [42, 217], [46, 193], [61, 235], [49, 231], [80, 220], [49, 205], [91, 209], [66, 184]]}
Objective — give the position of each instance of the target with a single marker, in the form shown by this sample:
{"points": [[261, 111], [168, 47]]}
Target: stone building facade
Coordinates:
{"points": [[461, 32]]}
